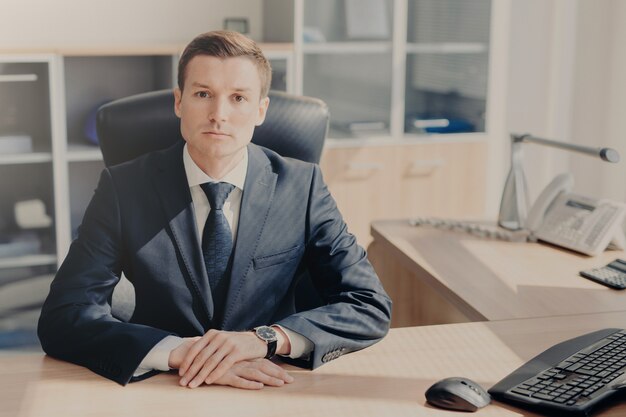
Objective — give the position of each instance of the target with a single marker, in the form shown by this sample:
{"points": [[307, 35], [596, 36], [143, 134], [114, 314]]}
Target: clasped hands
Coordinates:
{"points": [[229, 358]]}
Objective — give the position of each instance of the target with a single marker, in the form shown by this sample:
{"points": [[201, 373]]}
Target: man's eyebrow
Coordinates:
{"points": [[238, 89]]}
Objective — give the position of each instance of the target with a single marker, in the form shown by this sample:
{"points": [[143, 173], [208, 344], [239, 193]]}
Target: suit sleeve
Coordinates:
{"points": [[76, 324], [357, 310]]}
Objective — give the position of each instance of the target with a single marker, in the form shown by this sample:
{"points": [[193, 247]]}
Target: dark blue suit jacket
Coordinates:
{"points": [[141, 222]]}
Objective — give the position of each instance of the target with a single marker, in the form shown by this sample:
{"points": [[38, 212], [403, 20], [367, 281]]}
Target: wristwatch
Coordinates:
{"points": [[269, 336]]}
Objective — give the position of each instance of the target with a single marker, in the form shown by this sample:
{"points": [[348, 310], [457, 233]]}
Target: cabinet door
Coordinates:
{"points": [[347, 62], [404, 181], [27, 227], [447, 66], [358, 179]]}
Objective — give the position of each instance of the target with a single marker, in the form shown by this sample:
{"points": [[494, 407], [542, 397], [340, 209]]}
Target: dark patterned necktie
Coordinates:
{"points": [[217, 241]]}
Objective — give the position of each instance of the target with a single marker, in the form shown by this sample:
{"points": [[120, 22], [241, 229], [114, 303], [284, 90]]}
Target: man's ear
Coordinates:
{"points": [[178, 96], [263, 105]]}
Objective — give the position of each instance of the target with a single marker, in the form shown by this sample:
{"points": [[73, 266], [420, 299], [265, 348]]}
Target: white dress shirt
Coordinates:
{"points": [[158, 357]]}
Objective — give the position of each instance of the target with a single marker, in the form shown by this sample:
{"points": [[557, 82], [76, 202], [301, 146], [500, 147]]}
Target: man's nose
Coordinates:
{"points": [[218, 110]]}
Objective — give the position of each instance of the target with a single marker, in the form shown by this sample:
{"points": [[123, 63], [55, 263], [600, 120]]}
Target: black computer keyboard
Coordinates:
{"points": [[571, 378]]}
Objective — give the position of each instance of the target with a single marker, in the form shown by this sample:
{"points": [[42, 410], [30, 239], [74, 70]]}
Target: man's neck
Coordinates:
{"points": [[217, 168]]}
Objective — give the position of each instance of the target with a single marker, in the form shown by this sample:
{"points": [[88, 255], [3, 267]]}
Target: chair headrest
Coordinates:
{"points": [[295, 126]]}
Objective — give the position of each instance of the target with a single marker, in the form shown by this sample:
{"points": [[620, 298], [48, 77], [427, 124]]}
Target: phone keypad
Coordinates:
{"points": [[612, 275]]}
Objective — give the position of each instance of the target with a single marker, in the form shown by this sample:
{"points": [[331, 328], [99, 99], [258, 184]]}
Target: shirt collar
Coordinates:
{"points": [[195, 176]]}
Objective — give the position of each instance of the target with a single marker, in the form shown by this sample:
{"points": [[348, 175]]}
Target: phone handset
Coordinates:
{"points": [[563, 183]]}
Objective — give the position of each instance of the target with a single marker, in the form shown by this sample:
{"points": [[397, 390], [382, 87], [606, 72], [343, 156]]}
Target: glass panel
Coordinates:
{"points": [[347, 20], [25, 103], [22, 293], [279, 74], [26, 211], [83, 181], [93, 81], [277, 20], [359, 101], [447, 66]]}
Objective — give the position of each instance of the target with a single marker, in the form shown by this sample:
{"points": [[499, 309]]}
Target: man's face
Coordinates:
{"points": [[220, 106]]}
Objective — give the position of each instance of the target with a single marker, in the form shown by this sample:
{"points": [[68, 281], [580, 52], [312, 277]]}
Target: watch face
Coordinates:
{"points": [[266, 333]]}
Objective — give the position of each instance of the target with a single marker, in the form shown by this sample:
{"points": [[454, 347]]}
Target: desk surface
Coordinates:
{"points": [[494, 280], [388, 379]]}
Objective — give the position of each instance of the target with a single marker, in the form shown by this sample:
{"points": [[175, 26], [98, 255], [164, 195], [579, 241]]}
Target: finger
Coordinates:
{"points": [[194, 350], [209, 354], [239, 382], [227, 362], [270, 368], [210, 363], [253, 374]]}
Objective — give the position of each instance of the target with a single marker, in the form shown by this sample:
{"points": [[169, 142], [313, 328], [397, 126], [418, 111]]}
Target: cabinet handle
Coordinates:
{"points": [[423, 168], [365, 166], [421, 164]]}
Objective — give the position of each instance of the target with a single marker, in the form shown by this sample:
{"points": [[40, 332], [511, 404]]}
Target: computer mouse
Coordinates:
{"points": [[456, 393]]}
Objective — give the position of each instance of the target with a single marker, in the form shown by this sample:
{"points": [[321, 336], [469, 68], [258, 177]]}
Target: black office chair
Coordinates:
{"points": [[294, 126]]}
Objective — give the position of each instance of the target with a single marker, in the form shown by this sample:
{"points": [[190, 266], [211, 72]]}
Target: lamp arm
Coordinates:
{"points": [[606, 154]]}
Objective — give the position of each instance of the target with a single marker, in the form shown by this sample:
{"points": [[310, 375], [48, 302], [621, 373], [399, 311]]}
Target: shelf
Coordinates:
{"points": [[28, 260], [83, 153], [12, 78], [26, 158], [347, 47], [447, 48]]}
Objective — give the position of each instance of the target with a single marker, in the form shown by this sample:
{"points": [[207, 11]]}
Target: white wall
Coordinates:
{"points": [[600, 96], [542, 50], [37, 24], [567, 81]]}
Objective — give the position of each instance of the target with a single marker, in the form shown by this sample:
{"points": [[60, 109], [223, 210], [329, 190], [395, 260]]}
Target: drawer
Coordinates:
{"points": [[441, 179]]}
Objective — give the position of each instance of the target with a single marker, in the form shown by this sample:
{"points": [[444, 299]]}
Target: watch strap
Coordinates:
{"points": [[271, 349]]}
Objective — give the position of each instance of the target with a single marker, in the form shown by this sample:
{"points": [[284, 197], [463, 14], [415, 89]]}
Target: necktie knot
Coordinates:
{"points": [[217, 193]]}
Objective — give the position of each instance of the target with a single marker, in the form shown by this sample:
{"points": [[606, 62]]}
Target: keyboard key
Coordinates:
{"points": [[541, 396], [522, 391]]}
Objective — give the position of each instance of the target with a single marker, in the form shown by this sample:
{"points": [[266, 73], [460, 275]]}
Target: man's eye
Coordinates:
{"points": [[240, 99], [202, 94]]}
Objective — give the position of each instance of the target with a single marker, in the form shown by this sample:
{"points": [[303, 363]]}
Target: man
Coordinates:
{"points": [[212, 233]]}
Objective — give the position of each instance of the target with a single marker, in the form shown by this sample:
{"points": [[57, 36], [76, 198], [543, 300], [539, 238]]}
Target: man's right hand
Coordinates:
{"points": [[246, 374]]}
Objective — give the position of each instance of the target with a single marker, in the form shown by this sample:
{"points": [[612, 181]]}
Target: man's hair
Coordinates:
{"points": [[226, 44]]}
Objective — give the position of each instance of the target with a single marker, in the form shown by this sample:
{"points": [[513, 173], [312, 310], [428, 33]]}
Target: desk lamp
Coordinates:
{"points": [[515, 203]]}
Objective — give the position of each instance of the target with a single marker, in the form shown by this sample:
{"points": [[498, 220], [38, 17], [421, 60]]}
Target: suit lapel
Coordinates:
{"points": [[256, 201], [170, 182]]}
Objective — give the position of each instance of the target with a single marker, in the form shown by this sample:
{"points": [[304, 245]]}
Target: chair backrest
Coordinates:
{"points": [[294, 126]]}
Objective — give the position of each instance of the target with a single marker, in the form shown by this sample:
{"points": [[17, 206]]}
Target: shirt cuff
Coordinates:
{"points": [[300, 345], [159, 356]]}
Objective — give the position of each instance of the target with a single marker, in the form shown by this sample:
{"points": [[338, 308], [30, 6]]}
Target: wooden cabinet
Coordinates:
{"points": [[442, 179]]}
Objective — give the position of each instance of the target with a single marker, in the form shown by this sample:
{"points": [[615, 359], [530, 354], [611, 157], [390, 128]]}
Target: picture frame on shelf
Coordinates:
{"points": [[237, 24]]}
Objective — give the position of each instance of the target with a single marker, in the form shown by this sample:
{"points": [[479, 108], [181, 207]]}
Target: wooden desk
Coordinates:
{"points": [[436, 276], [388, 379]]}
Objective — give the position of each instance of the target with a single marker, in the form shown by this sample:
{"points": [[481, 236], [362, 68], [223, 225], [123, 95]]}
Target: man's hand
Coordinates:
{"points": [[210, 357], [255, 374], [177, 355]]}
